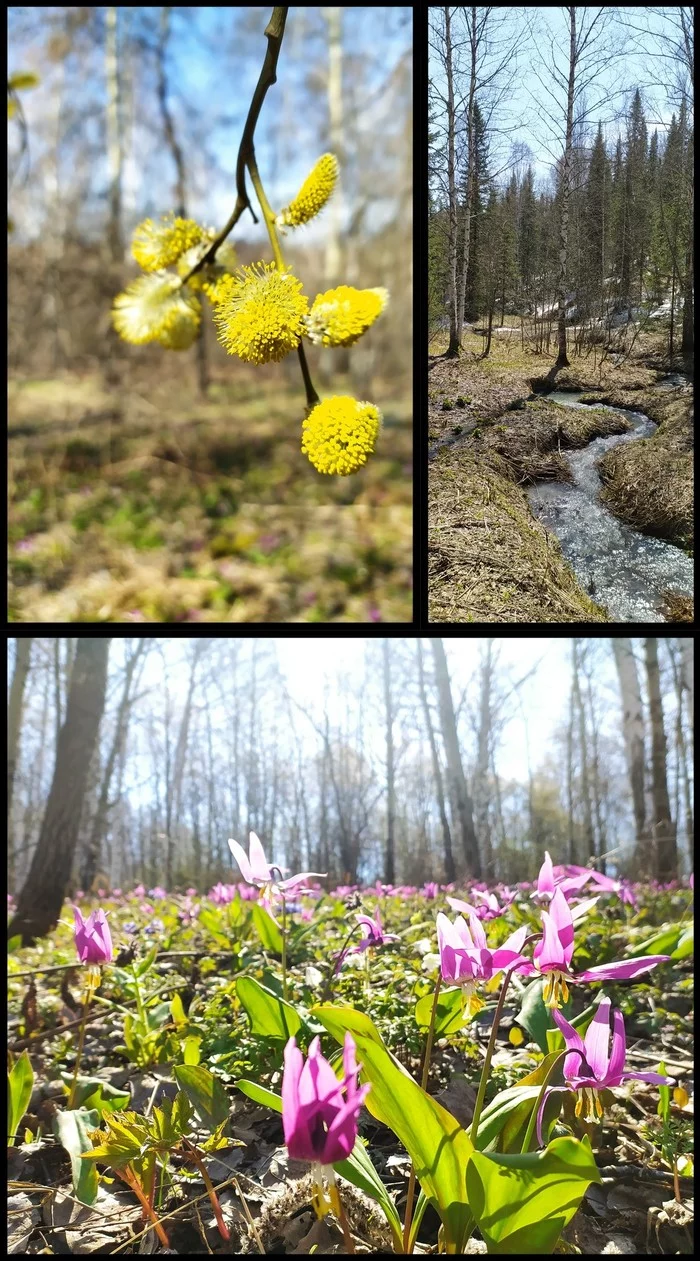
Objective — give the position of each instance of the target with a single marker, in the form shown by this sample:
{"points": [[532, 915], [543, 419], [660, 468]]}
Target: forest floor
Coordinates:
{"points": [[163, 507], [194, 994], [489, 559]]}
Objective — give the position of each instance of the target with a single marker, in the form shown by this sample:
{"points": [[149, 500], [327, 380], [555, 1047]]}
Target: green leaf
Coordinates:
{"points": [[661, 943], [357, 1169], [20, 1083], [14, 944], [522, 1203], [449, 1017], [143, 966], [177, 1011], [685, 945], [438, 1146], [92, 1093], [205, 1093], [663, 1107], [269, 1016], [23, 80], [191, 1049], [210, 920], [260, 1094], [534, 1017], [267, 930], [71, 1129]]}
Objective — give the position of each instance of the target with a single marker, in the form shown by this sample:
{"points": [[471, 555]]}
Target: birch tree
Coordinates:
{"points": [[461, 802], [664, 827], [633, 731]]}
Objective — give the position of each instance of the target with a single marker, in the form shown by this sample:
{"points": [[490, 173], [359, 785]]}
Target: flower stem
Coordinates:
{"points": [[284, 947], [424, 1082], [214, 1199], [129, 1177], [81, 1039], [489, 1056], [270, 223], [340, 1214]]}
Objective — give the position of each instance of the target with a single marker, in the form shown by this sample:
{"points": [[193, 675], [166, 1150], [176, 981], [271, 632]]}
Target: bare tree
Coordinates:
{"points": [[41, 897], [114, 142], [462, 809], [23, 651], [634, 738], [389, 714], [481, 784], [664, 828], [450, 871], [91, 852]]}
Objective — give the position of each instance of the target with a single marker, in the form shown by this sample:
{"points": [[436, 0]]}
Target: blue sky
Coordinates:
{"points": [[214, 59], [631, 68]]}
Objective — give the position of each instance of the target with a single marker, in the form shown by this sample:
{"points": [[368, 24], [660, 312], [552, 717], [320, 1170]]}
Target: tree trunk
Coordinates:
{"points": [[450, 872], [471, 190], [91, 855], [454, 345], [633, 734], [562, 360], [664, 828], [114, 147], [462, 810], [686, 650], [175, 794], [14, 715], [41, 898], [390, 792], [589, 834], [570, 776], [481, 791]]}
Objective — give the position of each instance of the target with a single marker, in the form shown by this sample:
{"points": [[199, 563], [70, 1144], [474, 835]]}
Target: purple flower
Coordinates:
{"points": [[256, 870], [592, 1065], [93, 940], [553, 954], [375, 933], [489, 909], [157, 893], [465, 957], [222, 893], [319, 1112], [430, 890]]}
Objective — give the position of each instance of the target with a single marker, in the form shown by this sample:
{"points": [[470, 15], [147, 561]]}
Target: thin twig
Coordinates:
{"points": [[274, 32]]}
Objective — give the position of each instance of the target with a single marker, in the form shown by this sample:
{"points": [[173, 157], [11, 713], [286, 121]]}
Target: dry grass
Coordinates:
{"points": [[649, 483], [488, 559], [531, 440], [149, 504], [678, 608]]}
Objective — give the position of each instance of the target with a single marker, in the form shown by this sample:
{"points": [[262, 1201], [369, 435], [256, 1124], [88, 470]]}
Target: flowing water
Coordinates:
{"points": [[623, 570]]}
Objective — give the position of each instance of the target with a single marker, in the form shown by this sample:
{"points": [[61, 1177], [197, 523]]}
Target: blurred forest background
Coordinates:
{"points": [[405, 759], [150, 485]]}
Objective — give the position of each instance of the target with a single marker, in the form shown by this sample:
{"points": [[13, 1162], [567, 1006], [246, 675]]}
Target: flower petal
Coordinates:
{"points": [[619, 1046], [622, 971], [242, 859], [258, 861], [545, 880], [597, 1040], [560, 912]]}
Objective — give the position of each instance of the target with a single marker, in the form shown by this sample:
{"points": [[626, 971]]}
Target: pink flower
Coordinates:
{"points": [[138, 891], [553, 954], [255, 869], [466, 959], [593, 1065], [319, 1113], [93, 940]]}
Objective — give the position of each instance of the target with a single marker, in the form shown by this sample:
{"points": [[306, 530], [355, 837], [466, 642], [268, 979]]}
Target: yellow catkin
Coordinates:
{"points": [[259, 313], [339, 434], [339, 316], [312, 195], [157, 245], [157, 308]]}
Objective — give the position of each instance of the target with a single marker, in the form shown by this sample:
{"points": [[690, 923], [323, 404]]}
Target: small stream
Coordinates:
{"points": [[622, 569]]}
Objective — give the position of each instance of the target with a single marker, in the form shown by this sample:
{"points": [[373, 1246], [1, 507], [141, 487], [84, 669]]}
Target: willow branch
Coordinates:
{"points": [[268, 75]]}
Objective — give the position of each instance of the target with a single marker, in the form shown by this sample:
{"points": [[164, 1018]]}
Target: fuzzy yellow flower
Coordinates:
{"points": [[157, 245], [339, 434], [312, 195], [259, 313], [225, 260], [157, 308], [339, 316]]}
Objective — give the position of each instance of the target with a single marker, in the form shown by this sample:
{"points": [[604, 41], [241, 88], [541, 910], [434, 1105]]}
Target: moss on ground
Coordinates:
{"points": [[489, 560]]}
